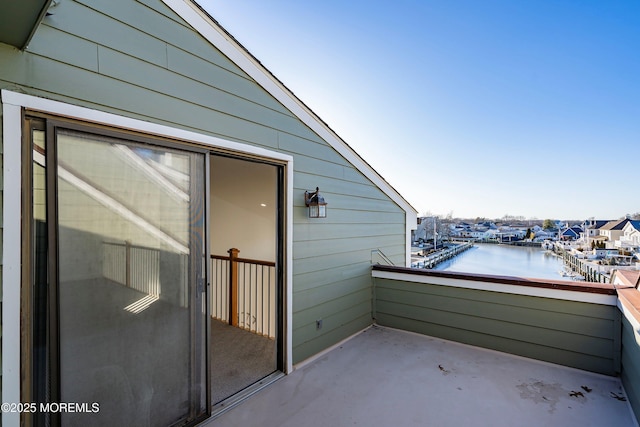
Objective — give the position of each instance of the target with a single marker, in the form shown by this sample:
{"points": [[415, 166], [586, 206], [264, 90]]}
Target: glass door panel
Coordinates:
{"points": [[130, 253]]}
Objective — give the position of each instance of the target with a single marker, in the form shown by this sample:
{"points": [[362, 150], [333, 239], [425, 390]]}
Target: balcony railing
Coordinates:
{"points": [[589, 326], [568, 323]]}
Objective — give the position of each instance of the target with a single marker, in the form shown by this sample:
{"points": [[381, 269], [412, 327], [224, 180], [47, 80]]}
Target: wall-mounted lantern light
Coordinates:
{"points": [[316, 204]]}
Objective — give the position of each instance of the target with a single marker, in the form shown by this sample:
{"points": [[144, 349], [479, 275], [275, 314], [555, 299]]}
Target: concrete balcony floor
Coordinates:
{"points": [[387, 377]]}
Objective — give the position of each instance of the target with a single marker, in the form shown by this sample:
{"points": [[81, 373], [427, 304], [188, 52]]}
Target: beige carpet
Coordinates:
{"points": [[239, 359]]}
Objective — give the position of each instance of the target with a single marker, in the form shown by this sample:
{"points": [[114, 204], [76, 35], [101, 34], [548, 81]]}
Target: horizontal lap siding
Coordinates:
{"points": [[332, 264], [581, 335], [138, 59], [630, 374]]}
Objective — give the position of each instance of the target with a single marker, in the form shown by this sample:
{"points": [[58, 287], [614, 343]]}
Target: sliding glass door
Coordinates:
{"points": [[126, 292], [141, 304]]}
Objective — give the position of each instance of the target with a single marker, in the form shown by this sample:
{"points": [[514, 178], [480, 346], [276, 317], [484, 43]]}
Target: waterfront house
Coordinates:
{"points": [[630, 239], [540, 234], [483, 230], [613, 230], [544, 235], [571, 233], [507, 233], [139, 140], [602, 253], [480, 235], [459, 230], [591, 229]]}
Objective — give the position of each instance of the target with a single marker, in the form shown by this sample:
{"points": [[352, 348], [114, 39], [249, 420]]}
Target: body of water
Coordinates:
{"points": [[506, 260]]}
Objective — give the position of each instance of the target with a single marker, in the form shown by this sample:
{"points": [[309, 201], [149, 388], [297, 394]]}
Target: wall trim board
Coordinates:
{"points": [[487, 285]]}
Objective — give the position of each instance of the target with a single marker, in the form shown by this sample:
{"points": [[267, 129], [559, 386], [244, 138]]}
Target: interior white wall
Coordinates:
{"points": [[239, 189]]}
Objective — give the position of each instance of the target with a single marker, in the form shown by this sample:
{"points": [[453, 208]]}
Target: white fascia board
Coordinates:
{"points": [[219, 38], [500, 287]]}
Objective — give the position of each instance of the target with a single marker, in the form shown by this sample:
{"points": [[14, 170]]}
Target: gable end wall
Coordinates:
{"points": [[139, 59]]}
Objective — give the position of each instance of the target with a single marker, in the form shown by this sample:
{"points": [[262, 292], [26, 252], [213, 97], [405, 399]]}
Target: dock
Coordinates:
{"points": [[436, 258], [524, 243], [585, 268]]}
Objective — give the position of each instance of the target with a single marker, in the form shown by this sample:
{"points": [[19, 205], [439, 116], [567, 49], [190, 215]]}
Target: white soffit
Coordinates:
{"points": [[222, 40]]}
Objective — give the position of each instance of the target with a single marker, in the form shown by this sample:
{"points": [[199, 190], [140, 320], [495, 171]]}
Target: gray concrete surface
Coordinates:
{"points": [[386, 377]]}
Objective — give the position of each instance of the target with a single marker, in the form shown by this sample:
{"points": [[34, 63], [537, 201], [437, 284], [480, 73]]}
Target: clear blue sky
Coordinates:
{"points": [[478, 108]]}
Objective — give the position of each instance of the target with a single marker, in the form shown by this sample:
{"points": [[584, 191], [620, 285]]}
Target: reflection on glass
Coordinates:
{"points": [[129, 230]]}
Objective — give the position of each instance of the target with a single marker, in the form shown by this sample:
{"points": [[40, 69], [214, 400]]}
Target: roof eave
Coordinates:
{"points": [[19, 21]]}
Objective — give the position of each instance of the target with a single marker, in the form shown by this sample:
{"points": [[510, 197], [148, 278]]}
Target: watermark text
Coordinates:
{"points": [[52, 407]]}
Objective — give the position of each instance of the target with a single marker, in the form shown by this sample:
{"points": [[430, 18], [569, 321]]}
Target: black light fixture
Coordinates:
{"points": [[316, 204]]}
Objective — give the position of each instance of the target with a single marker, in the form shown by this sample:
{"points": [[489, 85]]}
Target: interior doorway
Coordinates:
{"points": [[245, 288]]}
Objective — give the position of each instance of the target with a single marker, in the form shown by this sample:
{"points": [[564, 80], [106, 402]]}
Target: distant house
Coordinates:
{"points": [[483, 230], [605, 252], [556, 227], [571, 233], [507, 233], [158, 254], [591, 229], [478, 234], [630, 238], [613, 230], [485, 225], [560, 225], [462, 230]]}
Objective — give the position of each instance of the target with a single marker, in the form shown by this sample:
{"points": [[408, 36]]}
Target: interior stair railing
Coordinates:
{"points": [[244, 292]]}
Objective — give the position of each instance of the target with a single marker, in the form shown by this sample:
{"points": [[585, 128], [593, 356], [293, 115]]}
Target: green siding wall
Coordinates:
{"points": [[577, 334], [630, 374], [139, 59]]}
